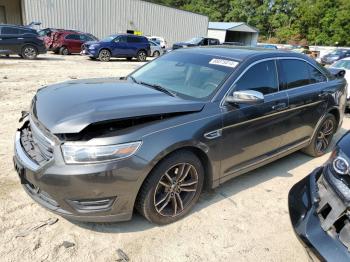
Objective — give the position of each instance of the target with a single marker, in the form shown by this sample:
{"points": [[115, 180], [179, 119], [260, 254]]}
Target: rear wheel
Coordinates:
{"points": [[29, 52], [64, 51], [171, 189], [141, 56], [323, 137], [104, 55]]}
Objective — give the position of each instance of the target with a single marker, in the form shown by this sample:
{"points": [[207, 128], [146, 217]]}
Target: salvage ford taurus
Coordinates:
{"points": [[319, 207], [92, 150]]}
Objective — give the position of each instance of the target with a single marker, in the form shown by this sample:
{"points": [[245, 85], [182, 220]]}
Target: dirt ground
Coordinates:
{"points": [[245, 219]]}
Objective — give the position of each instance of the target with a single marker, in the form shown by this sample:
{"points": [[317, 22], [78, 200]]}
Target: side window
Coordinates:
{"points": [[134, 39], [9, 31], [120, 39], [204, 41], [296, 73], [213, 42], [73, 37], [261, 77], [315, 75]]}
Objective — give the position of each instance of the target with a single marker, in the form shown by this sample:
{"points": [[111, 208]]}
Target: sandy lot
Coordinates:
{"points": [[245, 219]]}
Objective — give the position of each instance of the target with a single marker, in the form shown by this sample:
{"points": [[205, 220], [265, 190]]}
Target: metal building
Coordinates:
{"points": [[105, 17], [233, 32]]}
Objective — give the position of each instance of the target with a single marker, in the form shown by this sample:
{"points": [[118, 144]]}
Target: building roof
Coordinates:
{"points": [[231, 26]]}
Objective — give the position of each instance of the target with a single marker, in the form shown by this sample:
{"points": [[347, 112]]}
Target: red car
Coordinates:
{"points": [[67, 42]]}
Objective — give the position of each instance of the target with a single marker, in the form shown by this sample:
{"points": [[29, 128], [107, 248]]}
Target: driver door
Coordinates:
{"points": [[252, 132]]}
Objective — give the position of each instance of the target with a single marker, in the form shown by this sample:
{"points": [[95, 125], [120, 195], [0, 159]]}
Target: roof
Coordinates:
{"points": [[223, 25], [230, 26], [240, 53]]}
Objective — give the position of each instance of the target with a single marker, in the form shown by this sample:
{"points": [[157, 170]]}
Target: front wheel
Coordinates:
{"points": [[141, 56], [322, 137], [171, 189], [64, 51], [29, 52], [104, 55]]}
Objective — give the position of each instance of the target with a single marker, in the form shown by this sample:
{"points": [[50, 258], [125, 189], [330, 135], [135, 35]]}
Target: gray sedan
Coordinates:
{"points": [[156, 50]]}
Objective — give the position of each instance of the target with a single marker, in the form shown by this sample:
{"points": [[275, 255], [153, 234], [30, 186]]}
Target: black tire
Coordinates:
{"points": [[63, 51], [129, 58], [104, 55], [179, 197], [141, 56], [156, 53], [29, 52], [323, 137]]}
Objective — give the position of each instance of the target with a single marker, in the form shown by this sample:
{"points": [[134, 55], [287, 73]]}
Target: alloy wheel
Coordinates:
{"points": [[325, 135], [29, 52], [176, 189], [142, 56], [104, 55]]}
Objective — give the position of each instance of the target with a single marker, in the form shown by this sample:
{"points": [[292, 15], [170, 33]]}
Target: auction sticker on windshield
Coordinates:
{"points": [[223, 62]]}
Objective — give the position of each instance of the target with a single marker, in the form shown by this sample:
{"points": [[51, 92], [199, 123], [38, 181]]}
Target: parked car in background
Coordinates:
{"points": [[119, 45], [159, 40], [319, 206], [345, 65], [67, 42], [267, 46], [20, 40], [335, 55], [197, 41], [96, 149], [156, 49], [233, 43]]}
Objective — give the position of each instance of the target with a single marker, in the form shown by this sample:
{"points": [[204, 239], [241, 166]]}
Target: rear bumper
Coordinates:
{"points": [[302, 202]]}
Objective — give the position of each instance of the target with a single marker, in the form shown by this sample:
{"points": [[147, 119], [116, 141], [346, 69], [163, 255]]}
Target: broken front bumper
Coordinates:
{"points": [[314, 222], [103, 192]]}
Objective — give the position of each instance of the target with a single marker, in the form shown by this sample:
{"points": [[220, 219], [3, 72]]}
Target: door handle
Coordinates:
{"points": [[279, 106]]}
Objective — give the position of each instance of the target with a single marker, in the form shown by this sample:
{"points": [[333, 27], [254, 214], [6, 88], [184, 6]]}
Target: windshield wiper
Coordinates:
{"points": [[157, 87], [133, 79]]}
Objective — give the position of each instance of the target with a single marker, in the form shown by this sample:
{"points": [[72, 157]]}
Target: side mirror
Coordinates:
{"points": [[250, 97]]}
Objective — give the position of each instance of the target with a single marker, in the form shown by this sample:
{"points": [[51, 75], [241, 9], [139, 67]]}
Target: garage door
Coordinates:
{"points": [[2, 15]]}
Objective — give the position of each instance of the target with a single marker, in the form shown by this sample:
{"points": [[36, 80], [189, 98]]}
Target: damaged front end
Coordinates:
{"points": [[319, 207]]}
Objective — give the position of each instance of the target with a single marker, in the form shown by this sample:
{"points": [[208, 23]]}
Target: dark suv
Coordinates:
{"points": [[120, 45], [197, 41], [94, 149], [20, 40]]}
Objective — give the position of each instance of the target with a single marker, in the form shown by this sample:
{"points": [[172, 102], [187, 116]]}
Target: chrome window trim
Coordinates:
{"points": [[268, 59]]}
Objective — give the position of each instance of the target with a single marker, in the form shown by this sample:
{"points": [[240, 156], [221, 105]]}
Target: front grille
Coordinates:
{"points": [[37, 146], [333, 213]]}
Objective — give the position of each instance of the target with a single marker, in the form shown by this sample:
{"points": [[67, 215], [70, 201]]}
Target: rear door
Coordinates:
{"points": [[252, 133], [134, 44], [303, 84], [73, 43], [9, 42]]}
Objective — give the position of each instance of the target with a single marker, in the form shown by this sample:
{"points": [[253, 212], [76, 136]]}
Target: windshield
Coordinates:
{"points": [[187, 75], [344, 64], [336, 52], [194, 40], [108, 38]]}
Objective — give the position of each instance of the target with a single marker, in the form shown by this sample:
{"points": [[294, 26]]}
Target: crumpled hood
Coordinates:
{"points": [[71, 106]]}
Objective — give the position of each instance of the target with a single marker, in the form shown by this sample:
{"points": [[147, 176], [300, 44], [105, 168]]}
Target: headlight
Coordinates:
{"points": [[339, 162], [93, 46], [81, 154]]}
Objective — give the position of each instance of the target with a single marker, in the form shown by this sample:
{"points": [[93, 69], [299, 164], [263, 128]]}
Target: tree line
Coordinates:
{"points": [[305, 22]]}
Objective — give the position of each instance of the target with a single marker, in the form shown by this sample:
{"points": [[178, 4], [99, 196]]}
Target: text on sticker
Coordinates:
{"points": [[223, 62]]}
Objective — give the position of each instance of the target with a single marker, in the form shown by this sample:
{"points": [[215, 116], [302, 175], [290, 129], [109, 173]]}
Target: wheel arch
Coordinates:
{"points": [[335, 111], [197, 151]]}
